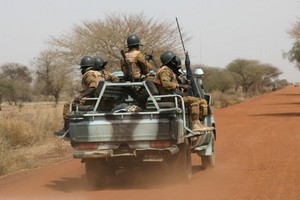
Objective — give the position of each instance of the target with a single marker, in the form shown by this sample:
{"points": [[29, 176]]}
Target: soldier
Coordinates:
{"points": [[90, 79], [138, 60], [166, 78], [105, 74]]}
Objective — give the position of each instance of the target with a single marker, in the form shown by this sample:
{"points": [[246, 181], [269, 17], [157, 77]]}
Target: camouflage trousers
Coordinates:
{"points": [[196, 107], [66, 109]]}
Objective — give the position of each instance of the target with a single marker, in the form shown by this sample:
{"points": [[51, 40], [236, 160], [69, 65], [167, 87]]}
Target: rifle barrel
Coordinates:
{"points": [[180, 34]]}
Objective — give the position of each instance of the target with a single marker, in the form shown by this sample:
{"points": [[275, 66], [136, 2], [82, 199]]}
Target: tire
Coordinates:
{"points": [[183, 164], [96, 172], [209, 161]]}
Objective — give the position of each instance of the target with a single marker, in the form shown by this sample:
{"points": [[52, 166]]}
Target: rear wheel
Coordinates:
{"points": [[183, 163], [96, 171], [209, 160]]}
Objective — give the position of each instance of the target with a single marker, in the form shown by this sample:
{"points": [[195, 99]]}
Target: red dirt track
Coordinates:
{"points": [[257, 158]]}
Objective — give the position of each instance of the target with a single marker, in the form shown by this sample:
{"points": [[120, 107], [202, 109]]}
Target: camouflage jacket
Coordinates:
{"points": [[90, 79], [107, 76], [166, 80], [140, 66]]}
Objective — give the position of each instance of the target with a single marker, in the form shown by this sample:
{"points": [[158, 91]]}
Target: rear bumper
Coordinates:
{"points": [[110, 153]]}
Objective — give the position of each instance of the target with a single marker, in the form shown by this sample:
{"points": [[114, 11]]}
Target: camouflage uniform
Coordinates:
{"points": [[166, 81], [107, 76], [90, 79], [140, 66]]}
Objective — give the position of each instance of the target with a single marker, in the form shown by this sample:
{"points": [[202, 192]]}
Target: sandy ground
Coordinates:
{"points": [[257, 158]]}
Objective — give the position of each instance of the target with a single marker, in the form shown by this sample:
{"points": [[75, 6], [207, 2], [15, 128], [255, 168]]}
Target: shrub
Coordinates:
{"points": [[32, 125], [224, 99]]}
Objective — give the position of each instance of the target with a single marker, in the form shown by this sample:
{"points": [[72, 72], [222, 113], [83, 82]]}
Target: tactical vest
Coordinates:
{"points": [[162, 90], [131, 56], [91, 77]]}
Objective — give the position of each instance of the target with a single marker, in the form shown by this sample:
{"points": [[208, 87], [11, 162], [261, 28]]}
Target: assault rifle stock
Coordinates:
{"points": [[129, 76]]}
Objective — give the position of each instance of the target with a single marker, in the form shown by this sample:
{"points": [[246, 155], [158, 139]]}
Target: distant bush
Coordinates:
{"points": [[224, 99]]}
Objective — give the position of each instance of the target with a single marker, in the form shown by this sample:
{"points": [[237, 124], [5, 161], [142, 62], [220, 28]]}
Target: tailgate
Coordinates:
{"points": [[124, 127]]}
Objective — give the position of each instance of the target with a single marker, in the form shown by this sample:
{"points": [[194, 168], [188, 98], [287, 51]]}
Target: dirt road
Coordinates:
{"points": [[257, 158]]}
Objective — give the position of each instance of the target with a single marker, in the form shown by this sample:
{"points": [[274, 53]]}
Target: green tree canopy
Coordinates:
{"points": [[251, 74], [217, 79], [293, 55]]}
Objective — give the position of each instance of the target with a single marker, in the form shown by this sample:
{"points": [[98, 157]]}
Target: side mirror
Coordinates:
{"points": [[207, 97]]}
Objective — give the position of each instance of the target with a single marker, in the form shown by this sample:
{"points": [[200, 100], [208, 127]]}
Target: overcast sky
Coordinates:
{"points": [[221, 30]]}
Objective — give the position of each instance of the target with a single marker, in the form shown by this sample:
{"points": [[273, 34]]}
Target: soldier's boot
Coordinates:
{"points": [[64, 131], [194, 117], [197, 126]]}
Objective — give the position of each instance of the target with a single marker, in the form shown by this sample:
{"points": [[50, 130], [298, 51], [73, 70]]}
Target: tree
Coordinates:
{"points": [[251, 74], [280, 83], [293, 55], [16, 79], [217, 79], [52, 73], [5, 89], [107, 38]]}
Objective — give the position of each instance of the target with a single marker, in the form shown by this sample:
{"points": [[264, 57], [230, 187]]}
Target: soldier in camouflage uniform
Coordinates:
{"points": [[138, 60], [90, 79], [182, 79], [166, 80], [140, 67]]}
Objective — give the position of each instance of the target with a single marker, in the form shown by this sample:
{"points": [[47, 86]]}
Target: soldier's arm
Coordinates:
{"points": [[86, 93], [145, 65], [90, 80], [166, 81], [111, 77]]}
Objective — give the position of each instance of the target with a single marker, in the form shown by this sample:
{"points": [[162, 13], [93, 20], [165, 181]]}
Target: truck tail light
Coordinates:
{"points": [[87, 146], [160, 144]]}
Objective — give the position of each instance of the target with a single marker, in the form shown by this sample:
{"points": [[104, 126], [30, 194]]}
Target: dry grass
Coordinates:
{"points": [[222, 100], [26, 139], [26, 133]]}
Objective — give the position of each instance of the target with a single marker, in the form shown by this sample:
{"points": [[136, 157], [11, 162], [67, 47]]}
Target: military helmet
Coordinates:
{"points": [[166, 57], [87, 61], [133, 40], [178, 61], [100, 62]]}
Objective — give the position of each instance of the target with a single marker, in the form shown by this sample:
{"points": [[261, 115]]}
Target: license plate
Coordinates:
{"points": [[153, 158]]}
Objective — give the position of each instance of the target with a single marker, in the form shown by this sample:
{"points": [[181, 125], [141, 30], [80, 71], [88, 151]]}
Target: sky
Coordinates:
{"points": [[221, 30]]}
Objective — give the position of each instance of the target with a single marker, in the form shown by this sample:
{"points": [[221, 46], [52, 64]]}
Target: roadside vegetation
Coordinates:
{"points": [[53, 76], [26, 139]]}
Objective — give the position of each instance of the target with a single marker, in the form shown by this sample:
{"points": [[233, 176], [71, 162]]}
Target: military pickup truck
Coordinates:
{"points": [[110, 137]]}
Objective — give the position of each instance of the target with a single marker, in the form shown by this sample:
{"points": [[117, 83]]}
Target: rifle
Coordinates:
{"points": [[149, 56], [189, 74], [128, 77], [100, 68]]}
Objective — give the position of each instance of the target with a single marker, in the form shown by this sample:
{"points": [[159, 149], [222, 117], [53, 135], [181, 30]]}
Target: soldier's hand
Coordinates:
{"points": [[149, 56], [115, 79], [77, 99], [185, 86]]}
